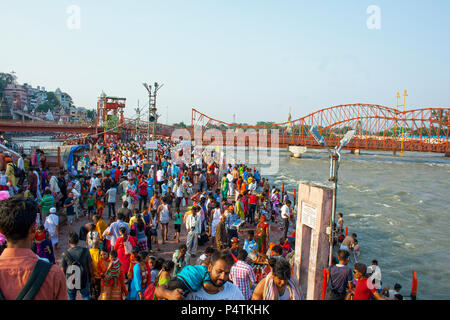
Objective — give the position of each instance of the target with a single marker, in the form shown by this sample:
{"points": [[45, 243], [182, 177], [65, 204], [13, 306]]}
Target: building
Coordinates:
{"points": [[36, 96], [64, 99], [78, 114], [5, 111], [15, 96]]}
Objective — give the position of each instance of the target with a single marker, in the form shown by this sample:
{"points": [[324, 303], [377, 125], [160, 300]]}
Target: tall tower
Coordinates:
{"points": [[109, 113]]}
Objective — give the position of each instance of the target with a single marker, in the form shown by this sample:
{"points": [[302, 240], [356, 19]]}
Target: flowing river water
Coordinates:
{"points": [[398, 206]]}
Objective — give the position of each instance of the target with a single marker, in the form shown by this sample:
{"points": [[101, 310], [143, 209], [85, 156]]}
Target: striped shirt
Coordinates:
{"points": [[242, 275]]}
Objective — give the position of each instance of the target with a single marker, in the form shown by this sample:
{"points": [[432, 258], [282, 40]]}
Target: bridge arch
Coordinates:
{"points": [[378, 127]]}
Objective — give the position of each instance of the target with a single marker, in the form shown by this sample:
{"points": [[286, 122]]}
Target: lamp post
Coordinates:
{"points": [[335, 158], [152, 115]]}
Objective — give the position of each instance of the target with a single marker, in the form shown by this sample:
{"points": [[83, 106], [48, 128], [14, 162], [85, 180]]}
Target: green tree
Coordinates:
{"points": [[112, 121], [52, 100], [91, 114], [180, 125], [44, 107], [51, 103]]}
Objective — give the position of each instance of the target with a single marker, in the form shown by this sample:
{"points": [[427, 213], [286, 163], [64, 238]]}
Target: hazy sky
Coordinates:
{"points": [[253, 58]]}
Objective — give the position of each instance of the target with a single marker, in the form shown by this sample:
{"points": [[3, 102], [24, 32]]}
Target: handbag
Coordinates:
{"points": [[127, 247], [149, 293]]}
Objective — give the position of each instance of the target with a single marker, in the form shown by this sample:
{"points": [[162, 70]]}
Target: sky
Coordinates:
{"points": [[255, 59]]}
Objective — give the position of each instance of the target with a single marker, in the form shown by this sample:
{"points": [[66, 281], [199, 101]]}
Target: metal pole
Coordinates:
{"points": [[403, 127], [334, 178], [149, 115]]}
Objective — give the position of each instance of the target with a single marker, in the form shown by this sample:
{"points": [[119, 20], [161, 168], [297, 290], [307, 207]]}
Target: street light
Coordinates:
{"points": [[335, 158], [152, 114]]}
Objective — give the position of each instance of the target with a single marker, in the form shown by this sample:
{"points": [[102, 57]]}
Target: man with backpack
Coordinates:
{"points": [[23, 276], [76, 264]]}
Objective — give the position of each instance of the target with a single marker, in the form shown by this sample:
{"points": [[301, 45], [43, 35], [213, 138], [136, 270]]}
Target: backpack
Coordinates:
{"points": [[73, 262], [62, 185], [34, 282], [17, 171]]}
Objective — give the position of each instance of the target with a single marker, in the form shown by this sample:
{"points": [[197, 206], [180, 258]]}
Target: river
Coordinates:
{"points": [[398, 207]]}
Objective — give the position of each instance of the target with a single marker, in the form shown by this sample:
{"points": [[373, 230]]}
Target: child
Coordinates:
{"points": [[284, 243], [39, 235], [113, 271], [190, 278], [3, 180], [90, 204], [340, 224], [177, 225], [356, 248], [133, 261], [44, 248], [99, 202], [91, 236]]}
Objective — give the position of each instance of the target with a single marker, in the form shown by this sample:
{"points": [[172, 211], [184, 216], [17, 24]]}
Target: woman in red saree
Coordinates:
{"points": [[124, 246], [262, 234], [99, 202], [110, 290]]}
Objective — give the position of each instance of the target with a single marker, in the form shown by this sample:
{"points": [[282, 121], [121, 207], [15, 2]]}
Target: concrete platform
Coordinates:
{"points": [[297, 151]]}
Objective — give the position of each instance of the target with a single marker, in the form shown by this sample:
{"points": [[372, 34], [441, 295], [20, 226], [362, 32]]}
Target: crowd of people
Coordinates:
{"points": [[129, 204]]}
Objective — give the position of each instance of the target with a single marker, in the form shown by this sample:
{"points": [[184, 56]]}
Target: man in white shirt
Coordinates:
{"points": [[76, 198], [285, 215], [112, 194], [194, 228], [230, 184], [178, 191], [54, 187], [95, 182], [160, 178], [375, 272], [392, 294], [52, 226], [151, 172], [92, 170], [113, 229], [20, 163], [252, 186]]}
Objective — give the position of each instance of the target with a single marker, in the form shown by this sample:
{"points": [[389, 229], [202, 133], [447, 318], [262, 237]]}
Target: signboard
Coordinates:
{"points": [[309, 215], [146, 167], [151, 145], [186, 143]]}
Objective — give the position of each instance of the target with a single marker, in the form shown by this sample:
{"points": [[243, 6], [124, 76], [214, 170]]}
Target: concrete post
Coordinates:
{"points": [[297, 151], [312, 237]]}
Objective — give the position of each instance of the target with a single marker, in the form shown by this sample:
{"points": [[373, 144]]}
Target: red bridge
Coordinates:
{"points": [[378, 128], [45, 126]]}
